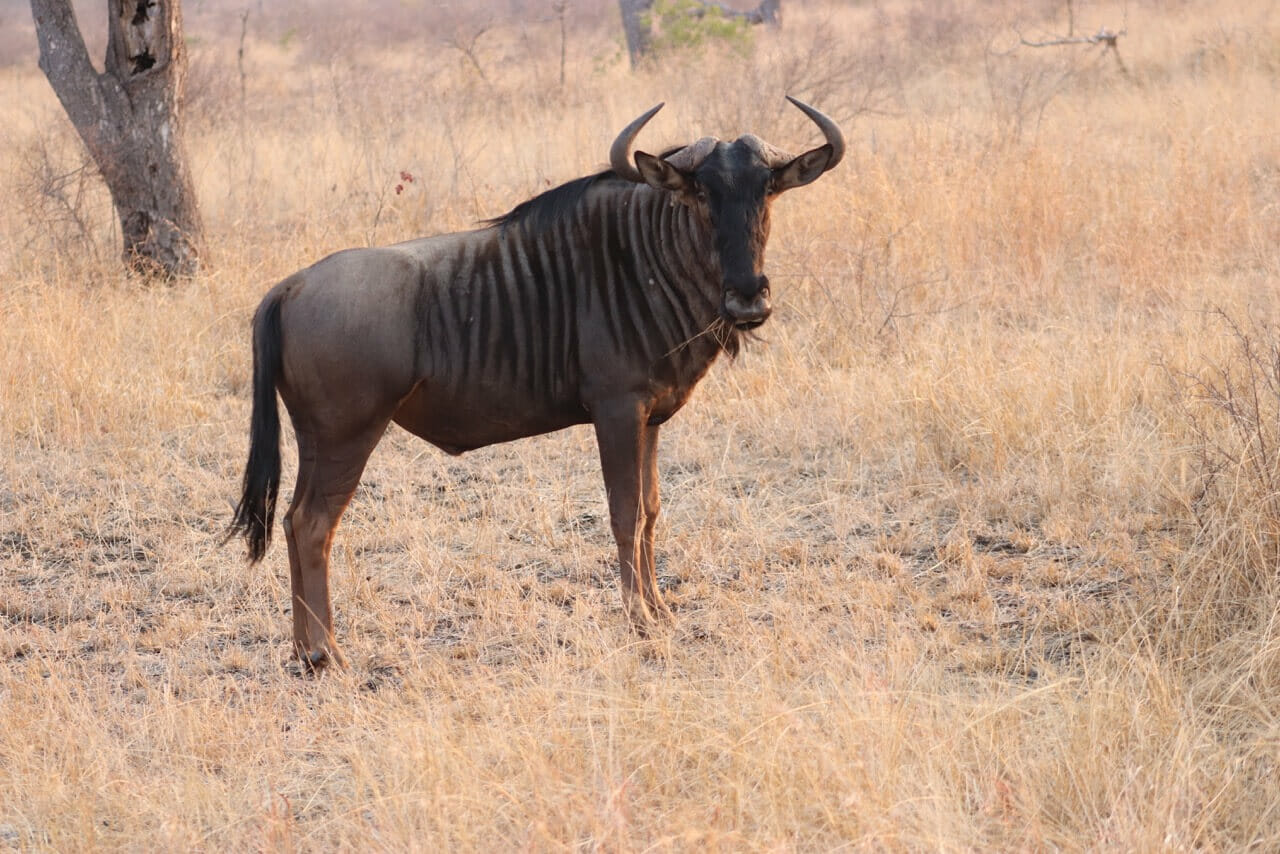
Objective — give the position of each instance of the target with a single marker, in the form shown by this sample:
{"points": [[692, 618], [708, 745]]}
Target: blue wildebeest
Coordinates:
{"points": [[601, 301]]}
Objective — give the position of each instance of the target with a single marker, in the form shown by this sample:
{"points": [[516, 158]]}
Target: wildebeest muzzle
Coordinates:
{"points": [[747, 306]]}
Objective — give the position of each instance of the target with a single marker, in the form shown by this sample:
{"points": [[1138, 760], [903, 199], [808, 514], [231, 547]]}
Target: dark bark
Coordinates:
{"points": [[129, 118], [638, 26]]}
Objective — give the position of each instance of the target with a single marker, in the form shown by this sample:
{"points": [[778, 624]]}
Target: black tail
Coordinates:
{"points": [[257, 507]]}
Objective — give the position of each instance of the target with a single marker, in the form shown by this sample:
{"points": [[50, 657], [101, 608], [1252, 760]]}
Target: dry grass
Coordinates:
{"points": [[976, 550]]}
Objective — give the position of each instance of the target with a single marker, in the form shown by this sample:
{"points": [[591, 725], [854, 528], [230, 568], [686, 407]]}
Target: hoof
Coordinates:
{"points": [[650, 621], [316, 661], [647, 613], [658, 610]]}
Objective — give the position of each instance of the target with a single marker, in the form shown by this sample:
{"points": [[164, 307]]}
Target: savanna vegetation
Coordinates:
{"points": [[974, 548]]}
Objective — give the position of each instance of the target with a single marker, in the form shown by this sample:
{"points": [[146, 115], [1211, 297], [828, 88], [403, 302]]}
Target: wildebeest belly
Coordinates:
{"points": [[459, 421]]}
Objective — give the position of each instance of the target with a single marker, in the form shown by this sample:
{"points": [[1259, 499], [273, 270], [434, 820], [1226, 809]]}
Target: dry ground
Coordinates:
{"points": [[975, 549]]}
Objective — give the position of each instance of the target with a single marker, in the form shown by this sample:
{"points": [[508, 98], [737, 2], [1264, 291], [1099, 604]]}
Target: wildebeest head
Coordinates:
{"points": [[730, 185]]}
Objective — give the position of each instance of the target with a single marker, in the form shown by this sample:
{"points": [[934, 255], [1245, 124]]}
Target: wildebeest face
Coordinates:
{"points": [[730, 187]]}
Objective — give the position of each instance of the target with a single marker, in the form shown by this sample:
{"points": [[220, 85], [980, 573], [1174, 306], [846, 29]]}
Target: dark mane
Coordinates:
{"points": [[545, 209]]}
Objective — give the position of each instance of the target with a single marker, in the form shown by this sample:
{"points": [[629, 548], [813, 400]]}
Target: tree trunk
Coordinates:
{"points": [[637, 25], [129, 117]]}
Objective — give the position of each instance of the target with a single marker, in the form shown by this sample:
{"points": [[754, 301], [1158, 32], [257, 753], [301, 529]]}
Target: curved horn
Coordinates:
{"points": [[829, 129], [620, 151], [690, 157]]}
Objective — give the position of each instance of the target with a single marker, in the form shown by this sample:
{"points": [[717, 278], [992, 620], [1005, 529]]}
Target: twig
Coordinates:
{"points": [[244, 31], [561, 7], [468, 49]]}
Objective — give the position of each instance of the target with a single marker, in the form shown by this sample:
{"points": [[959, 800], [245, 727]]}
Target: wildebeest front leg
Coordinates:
{"points": [[652, 505], [619, 431]]}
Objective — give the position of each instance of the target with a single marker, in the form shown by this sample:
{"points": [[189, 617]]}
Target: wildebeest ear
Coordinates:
{"points": [[660, 174], [803, 170]]}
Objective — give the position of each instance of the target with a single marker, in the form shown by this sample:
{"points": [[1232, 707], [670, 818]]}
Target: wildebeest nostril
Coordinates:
{"points": [[746, 312], [750, 288]]}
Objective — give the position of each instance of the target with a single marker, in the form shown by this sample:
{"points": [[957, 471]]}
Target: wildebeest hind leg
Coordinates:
{"points": [[297, 598], [328, 473], [306, 462]]}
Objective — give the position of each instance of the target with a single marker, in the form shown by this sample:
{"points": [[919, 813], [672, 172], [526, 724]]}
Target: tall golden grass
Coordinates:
{"points": [[976, 549]]}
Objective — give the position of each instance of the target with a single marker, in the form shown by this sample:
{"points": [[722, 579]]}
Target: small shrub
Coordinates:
{"points": [[1231, 409], [61, 199], [687, 25]]}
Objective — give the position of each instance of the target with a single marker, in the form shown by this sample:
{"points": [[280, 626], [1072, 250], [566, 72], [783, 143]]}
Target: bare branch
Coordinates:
{"points": [[1108, 38], [1102, 36]]}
